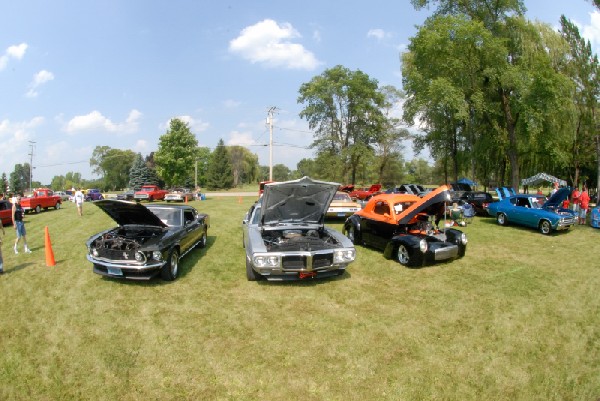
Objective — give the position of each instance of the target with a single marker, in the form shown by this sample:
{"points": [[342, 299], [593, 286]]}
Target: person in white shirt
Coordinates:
{"points": [[79, 198]]}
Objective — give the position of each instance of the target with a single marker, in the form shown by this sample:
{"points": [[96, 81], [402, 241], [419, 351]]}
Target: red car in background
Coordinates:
{"points": [[5, 212], [362, 194]]}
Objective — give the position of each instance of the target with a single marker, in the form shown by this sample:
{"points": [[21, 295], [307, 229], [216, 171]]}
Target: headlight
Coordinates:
{"points": [[139, 256], [423, 246], [463, 239], [95, 252], [344, 255], [157, 255], [266, 260]]}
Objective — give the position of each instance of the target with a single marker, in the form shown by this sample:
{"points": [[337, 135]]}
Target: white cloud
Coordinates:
{"points": [[195, 125], [19, 131], [39, 79], [95, 121], [592, 31], [231, 104], [237, 138], [14, 52], [270, 44], [377, 33], [141, 146]]}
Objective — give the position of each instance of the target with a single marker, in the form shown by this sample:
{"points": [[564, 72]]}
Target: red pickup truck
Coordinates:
{"points": [[41, 198], [150, 193]]}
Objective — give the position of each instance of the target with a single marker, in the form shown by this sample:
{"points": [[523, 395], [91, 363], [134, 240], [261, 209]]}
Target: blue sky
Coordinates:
{"points": [[78, 74]]}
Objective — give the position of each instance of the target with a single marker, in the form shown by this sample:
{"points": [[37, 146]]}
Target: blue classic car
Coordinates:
{"points": [[534, 211]]}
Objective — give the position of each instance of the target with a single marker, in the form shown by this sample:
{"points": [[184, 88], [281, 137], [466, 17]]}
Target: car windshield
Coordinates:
{"points": [[402, 206], [169, 216], [536, 203], [342, 197]]}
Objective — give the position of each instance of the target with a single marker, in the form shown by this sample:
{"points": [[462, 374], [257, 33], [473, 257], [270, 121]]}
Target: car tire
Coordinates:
{"points": [[251, 275], [203, 240], [403, 255], [351, 234], [545, 227], [501, 219], [57, 206], [170, 270], [38, 209]]}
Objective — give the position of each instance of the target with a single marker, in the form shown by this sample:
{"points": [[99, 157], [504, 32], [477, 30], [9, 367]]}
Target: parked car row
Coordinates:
{"points": [[285, 237]]}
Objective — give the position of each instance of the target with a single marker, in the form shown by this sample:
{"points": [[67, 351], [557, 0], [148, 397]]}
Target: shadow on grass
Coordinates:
{"points": [[186, 263], [18, 267], [492, 222], [306, 282]]}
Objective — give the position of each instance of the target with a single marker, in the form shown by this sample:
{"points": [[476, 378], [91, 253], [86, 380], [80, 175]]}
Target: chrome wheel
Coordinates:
{"points": [[402, 255], [545, 227], [501, 219]]}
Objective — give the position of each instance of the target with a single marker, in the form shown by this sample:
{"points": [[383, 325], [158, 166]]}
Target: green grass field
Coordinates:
{"points": [[518, 318]]}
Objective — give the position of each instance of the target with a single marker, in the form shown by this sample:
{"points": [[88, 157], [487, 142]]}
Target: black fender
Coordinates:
{"points": [[410, 241], [353, 221], [454, 236]]}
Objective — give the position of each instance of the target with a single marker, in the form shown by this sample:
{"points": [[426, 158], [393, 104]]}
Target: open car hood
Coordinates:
{"points": [[558, 198], [429, 204], [125, 213], [298, 201]]}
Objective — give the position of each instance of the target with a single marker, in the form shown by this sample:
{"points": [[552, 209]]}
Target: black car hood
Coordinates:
{"points": [[125, 213], [298, 201], [428, 203], [558, 198]]}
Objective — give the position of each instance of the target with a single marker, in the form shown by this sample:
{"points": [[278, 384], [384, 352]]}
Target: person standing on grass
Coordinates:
{"points": [[79, 198], [575, 198], [584, 202], [1, 258], [17, 216]]}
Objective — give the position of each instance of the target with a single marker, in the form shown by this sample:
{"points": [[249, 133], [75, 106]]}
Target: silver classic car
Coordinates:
{"points": [[148, 241], [285, 236]]}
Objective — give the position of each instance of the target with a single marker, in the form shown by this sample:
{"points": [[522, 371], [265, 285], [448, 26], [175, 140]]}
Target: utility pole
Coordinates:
{"points": [[270, 122], [31, 147]]}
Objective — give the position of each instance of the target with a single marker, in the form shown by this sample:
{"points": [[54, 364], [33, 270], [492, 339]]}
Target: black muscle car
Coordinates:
{"points": [[149, 240], [407, 228]]}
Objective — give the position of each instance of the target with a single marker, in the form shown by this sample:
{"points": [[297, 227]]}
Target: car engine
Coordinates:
{"points": [[298, 240], [124, 239]]}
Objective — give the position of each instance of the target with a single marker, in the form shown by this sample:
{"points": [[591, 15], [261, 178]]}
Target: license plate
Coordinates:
{"points": [[114, 271]]}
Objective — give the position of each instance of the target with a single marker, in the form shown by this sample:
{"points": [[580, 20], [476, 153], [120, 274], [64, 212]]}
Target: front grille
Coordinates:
{"points": [[307, 261], [117, 255], [295, 262]]}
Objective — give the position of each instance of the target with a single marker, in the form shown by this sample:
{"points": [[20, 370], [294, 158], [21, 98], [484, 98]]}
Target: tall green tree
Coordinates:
{"points": [[344, 109], [19, 179], [219, 174], [112, 165], [4, 184], [388, 143], [175, 157], [244, 165], [202, 160], [511, 91], [583, 68], [141, 173]]}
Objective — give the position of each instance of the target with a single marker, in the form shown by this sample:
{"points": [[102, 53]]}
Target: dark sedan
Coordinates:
{"points": [[480, 200], [149, 240]]}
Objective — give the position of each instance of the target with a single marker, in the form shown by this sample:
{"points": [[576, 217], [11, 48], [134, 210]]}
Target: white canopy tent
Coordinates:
{"points": [[541, 178]]}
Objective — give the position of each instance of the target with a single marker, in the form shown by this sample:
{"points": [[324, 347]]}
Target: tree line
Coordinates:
{"points": [[489, 94]]}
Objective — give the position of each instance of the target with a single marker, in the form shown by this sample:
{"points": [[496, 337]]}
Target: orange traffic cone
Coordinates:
{"points": [[49, 254], [239, 199]]}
